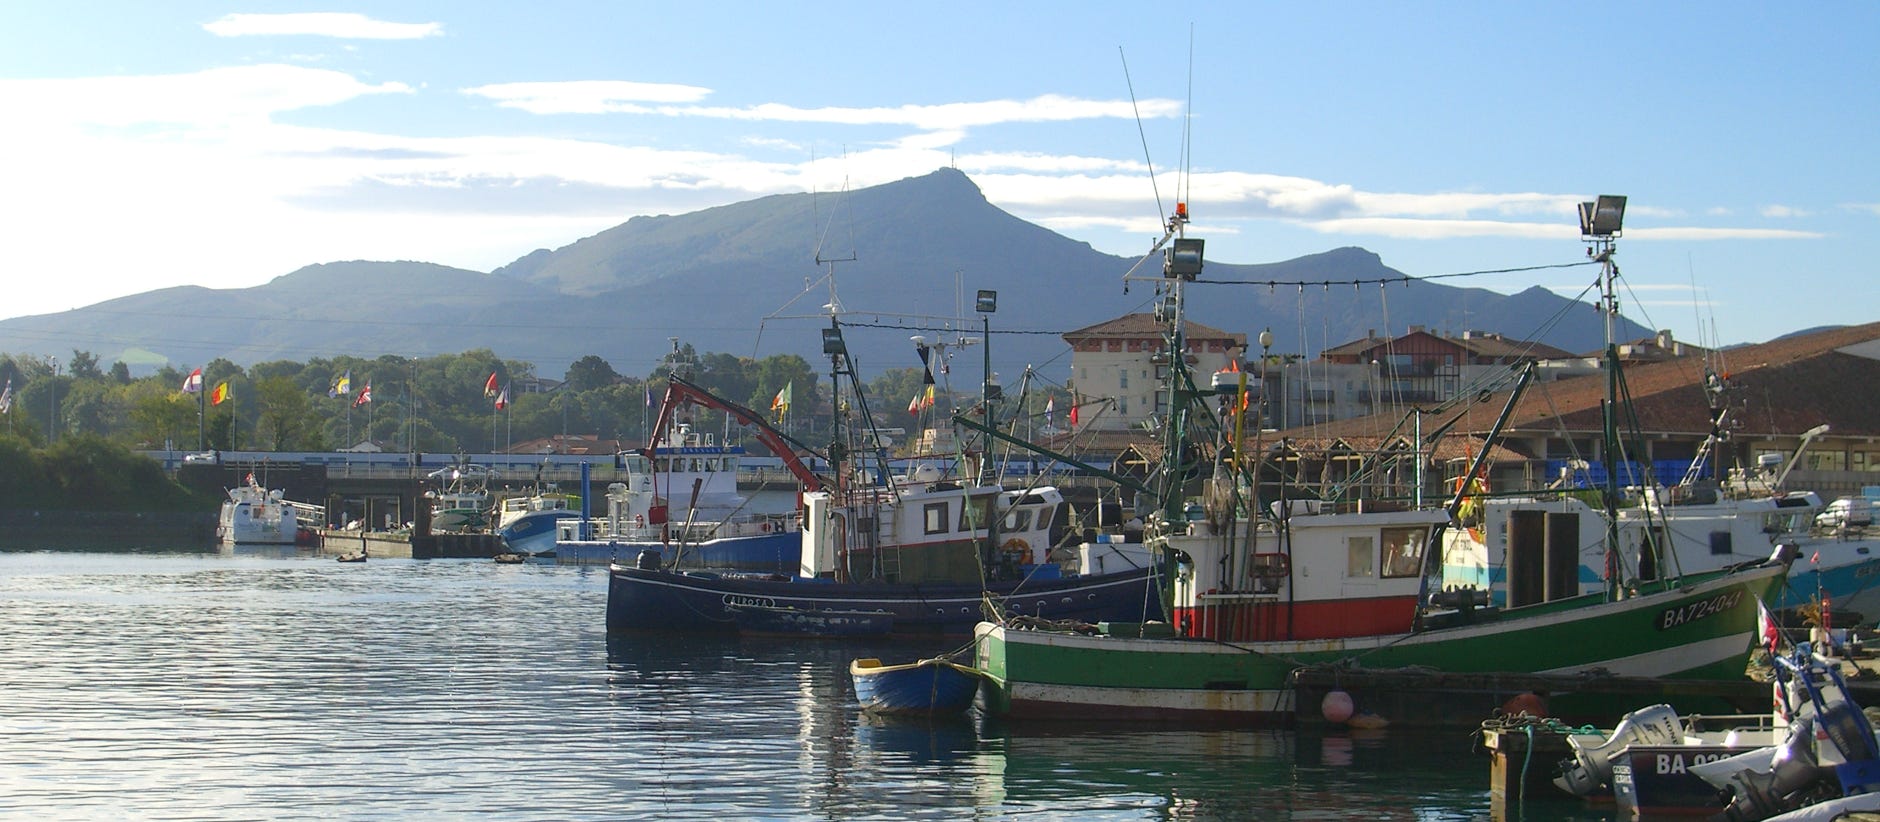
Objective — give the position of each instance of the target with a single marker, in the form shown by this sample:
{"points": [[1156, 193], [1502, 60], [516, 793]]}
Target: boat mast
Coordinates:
{"points": [[1601, 222]]}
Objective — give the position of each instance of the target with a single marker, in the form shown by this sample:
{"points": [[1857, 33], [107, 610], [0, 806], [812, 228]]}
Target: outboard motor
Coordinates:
{"points": [[1591, 765], [648, 560], [1828, 731]]}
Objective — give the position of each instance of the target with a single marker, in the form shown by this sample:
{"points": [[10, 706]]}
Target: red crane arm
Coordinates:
{"points": [[680, 392]]}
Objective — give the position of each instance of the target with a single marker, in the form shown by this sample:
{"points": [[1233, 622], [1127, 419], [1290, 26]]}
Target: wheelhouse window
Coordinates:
{"points": [[935, 515], [977, 513], [1403, 550], [1018, 520], [1360, 557]]}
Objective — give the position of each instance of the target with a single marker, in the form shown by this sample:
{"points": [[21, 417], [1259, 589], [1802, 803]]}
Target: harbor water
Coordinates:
{"points": [[167, 683]]}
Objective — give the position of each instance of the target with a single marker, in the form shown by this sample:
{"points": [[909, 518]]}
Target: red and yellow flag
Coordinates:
{"points": [[219, 394]]}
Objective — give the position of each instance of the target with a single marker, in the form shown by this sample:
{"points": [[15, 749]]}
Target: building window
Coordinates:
{"points": [[1122, 406], [1122, 378], [935, 515]]}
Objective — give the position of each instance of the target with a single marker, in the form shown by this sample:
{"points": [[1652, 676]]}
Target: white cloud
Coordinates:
{"points": [[587, 96], [1781, 211], [322, 24], [214, 97], [608, 96], [1870, 208]]}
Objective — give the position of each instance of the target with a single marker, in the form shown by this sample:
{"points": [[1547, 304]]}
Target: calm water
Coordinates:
{"points": [[153, 684]]}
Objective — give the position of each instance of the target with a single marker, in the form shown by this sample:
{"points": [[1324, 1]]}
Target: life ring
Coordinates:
{"points": [[766, 526], [639, 520], [1018, 548]]}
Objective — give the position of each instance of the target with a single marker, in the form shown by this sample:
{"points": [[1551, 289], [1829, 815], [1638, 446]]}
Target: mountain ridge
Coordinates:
{"points": [[743, 278]]}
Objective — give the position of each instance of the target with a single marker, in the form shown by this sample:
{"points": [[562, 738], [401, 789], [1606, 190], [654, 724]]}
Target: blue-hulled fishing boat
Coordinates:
{"points": [[929, 687]]}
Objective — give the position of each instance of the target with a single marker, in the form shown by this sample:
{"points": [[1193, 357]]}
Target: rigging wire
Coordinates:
{"points": [[1144, 134]]}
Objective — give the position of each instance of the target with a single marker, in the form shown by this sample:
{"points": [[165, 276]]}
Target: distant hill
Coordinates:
{"points": [[918, 246]]}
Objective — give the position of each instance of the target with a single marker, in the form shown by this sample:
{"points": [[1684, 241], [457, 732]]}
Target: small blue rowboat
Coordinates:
{"points": [[767, 620], [930, 687]]}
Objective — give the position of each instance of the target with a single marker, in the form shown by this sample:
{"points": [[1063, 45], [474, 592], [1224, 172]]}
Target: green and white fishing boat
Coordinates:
{"points": [[1257, 591]]}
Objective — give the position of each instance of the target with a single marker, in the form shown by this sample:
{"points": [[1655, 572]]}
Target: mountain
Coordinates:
{"points": [[751, 278]]}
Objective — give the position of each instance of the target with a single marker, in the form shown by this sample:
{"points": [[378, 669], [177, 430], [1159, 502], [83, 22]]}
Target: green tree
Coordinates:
{"points": [[589, 373], [84, 365], [286, 413]]}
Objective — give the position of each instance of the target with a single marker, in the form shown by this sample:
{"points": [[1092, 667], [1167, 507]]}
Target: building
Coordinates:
{"points": [[1115, 371], [1772, 396]]}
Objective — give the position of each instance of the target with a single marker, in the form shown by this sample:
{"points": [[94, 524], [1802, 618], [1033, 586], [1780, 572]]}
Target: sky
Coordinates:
{"points": [[218, 144]]}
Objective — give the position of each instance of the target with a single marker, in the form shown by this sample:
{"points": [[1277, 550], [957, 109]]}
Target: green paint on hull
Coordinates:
{"points": [[1703, 633]]}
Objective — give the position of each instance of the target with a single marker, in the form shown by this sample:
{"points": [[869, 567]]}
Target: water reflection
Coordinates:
{"points": [[222, 686]]}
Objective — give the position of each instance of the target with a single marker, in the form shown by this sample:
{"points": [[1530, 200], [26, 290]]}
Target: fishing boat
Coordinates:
{"points": [[253, 515], [462, 502], [929, 687], [1258, 592], [937, 552], [680, 499], [528, 522]]}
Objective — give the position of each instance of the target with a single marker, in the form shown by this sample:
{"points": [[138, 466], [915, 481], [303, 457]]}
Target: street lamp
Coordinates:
{"points": [[52, 404], [986, 302]]}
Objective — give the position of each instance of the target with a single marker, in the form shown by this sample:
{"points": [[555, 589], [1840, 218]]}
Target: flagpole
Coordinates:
{"points": [[202, 428]]}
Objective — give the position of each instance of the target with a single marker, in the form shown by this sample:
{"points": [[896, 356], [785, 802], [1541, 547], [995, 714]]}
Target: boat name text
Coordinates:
{"points": [[1685, 614], [740, 599]]}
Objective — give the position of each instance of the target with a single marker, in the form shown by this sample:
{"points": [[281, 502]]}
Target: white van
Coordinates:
{"points": [[1848, 512]]}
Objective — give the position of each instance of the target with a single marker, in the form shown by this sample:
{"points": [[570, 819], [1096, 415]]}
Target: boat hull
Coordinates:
{"points": [[1651, 781], [930, 687], [761, 621], [652, 599], [1701, 631], [533, 532], [779, 552]]}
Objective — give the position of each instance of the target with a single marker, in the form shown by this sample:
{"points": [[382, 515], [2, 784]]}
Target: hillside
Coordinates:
{"points": [[744, 278]]}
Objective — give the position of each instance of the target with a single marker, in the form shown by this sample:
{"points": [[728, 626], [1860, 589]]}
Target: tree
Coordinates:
{"points": [[120, 373], [589, 373], [286, 413], [84, 365]]}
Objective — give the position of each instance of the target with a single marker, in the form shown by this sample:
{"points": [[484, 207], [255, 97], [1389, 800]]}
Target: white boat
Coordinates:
{"points": [[253, 515], [681, 499], [462, 503]]}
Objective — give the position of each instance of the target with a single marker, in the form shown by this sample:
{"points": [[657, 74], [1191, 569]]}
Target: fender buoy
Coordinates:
{"points": [[1336, 707]]}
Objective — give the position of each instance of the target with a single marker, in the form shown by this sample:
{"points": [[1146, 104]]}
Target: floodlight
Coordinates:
{"points": [[987, 302], [1608, 215], [832, 341], [1183, 258]]}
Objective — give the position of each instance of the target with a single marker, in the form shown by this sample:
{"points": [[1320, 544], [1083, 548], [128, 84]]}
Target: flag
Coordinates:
{"points": [[365, 396], [1767, 625], [649, 395], [782, 402], [502, 399], [1050, 407], [922, 401], [489, 388], [1073, 415], [6, 398], [342, 386], [193, 384], [219, 394]]}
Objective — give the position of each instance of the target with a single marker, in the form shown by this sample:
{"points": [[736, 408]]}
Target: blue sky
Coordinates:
{"points": [[216, 144]]}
